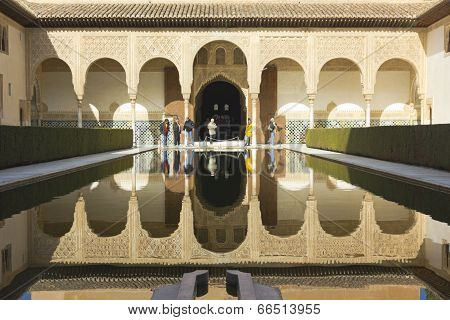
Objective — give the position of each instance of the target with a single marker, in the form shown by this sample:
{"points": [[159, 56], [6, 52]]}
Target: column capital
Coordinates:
{"points": [[254, 96], [368, 97], [79, 98], [133, 97], [186, 95], [311, 98], [421, 96]]}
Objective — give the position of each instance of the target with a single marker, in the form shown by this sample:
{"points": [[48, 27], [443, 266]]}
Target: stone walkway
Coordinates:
{"points": [[426, 177], [19, 176]]}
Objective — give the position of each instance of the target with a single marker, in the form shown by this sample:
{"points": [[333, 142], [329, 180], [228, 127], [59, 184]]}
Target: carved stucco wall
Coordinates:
{"points": [[311, 244], [132, 48]]}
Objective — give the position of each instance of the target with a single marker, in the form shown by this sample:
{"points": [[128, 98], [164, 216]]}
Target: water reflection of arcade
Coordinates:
{"points": [[297, 231], [220, 202]]}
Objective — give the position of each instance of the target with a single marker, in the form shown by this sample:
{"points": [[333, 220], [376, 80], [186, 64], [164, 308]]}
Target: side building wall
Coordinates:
{"points": [[13, 75], [438, 70]]}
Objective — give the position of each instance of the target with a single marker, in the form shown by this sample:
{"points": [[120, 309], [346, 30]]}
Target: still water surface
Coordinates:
{"points": [[271, 210]]}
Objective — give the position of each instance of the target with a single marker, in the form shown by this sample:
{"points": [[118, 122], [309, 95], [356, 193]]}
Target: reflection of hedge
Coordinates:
{"points": [[23, 198], [25, 145], [424, 200], [427, 146]]}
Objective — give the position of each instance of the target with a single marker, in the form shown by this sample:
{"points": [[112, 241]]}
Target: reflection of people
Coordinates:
{"points": [[176, 131], [188, 167], [212, 166], [189, 128], [272, 166], [164, 129], [212, 130], [248, 162], [272, 128], [176, 162], [248, 133], [165, 167]]}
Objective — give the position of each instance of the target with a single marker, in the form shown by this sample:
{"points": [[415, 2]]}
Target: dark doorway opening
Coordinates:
{"points": [[223, 102]]}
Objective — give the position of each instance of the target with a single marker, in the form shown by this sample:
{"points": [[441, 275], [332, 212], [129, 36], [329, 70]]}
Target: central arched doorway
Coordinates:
{"points": [[224, 102]]}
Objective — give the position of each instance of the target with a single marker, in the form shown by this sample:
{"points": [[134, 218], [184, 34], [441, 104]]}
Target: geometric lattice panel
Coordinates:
{"points": [[383, 123], [327, 123], [296, 131], [147, 132]]}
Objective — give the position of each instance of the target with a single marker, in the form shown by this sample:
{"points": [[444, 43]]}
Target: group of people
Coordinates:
{"points": [[211, 136], [188, 128]]}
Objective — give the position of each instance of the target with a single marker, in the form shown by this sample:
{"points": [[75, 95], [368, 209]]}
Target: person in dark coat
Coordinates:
{"points": [[176, 131], [164, 129], [189, 129]]}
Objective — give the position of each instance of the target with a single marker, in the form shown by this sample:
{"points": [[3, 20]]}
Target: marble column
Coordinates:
{"points": [[133, 118], [311, 99], [80, 111], [424, 112], [254, 97], [368, 99], [311, 181]]}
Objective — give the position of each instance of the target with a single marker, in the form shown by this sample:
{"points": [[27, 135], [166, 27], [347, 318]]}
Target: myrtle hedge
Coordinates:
{"points": [[426, 145], [26, 145]]}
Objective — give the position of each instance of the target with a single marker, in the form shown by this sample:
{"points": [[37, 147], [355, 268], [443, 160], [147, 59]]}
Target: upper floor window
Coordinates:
{"points": [[220, 56], [238, 56], [3, 38], [202, 56]]}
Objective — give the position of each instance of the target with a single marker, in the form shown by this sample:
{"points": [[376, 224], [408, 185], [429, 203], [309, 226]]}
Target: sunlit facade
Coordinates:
{"points": [[321, 64]]}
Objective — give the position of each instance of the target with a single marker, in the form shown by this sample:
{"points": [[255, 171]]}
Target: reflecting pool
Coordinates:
{"points": [[313, 228]]}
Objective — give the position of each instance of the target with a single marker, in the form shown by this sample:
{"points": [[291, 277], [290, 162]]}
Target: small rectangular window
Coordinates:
{"points": [[6, 259], [3, 38], [9, 89]]}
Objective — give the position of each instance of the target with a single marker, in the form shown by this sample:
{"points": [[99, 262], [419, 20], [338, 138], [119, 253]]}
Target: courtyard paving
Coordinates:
{"points": [[19, 176]]}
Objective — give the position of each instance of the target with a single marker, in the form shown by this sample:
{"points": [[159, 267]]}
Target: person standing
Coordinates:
{"points": [[272, 128], [212, 131], [164, 130], [176, 131], [248, 133], [189, 129]]}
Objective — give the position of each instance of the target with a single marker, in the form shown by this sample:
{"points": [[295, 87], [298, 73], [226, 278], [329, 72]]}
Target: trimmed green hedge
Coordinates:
{"points": [[26, 145], [427, 146]]}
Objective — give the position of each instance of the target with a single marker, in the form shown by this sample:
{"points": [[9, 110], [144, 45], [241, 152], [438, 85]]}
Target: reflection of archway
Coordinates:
{"points": [[224, 102], [393, 218], [220, 182]]}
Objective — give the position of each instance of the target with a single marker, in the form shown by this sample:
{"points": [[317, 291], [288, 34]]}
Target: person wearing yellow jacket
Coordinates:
{"points": [[248, 133]]}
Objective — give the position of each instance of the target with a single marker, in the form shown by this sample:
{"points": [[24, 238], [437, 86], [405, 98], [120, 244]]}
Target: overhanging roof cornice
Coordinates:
{"points": [[234, 15]]}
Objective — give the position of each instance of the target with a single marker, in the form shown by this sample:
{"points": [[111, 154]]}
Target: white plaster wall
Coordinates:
{"points": [[57, 92], [15, 233], [391, 87], [291, 88], [339, 87], [103, 93], [104, 89], [12, 67], [438, 73], [151, 91]]}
